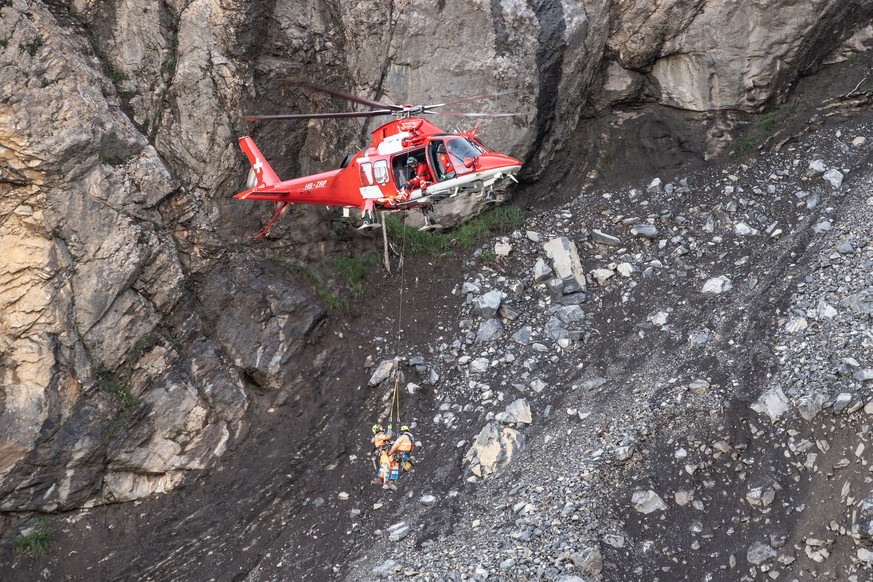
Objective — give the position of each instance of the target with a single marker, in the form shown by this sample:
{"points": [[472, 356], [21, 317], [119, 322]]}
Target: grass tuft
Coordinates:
{"points": [[500, 220], [36, 542], [353, 269], [108, 381], [766, 126]]}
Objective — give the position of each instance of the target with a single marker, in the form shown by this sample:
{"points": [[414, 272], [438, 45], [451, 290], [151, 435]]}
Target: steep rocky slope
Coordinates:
{"points": [[144, 337], [712, 424]]}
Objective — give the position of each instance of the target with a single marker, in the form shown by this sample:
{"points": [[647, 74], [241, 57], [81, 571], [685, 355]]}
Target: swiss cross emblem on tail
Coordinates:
{"points": [[261, 175]]}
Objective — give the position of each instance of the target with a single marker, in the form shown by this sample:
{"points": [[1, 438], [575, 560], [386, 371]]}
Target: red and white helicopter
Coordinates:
{"points": [[447, 164]]}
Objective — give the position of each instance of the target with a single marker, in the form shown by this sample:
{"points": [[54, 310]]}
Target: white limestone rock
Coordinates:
{"points": [[773, 403], [717, 285], [647, 501], [516, 412], [567, 266]]}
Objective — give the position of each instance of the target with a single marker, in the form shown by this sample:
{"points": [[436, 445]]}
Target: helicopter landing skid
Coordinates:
{"points": [[365, 227], [429, 223]]}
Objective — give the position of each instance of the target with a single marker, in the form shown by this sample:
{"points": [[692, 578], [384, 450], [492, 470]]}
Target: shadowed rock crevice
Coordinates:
{"points": [[501, 36], [551, 44]]}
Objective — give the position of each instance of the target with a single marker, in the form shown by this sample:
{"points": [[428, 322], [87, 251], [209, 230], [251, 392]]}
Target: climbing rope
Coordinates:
{"points": [[395, 401]]}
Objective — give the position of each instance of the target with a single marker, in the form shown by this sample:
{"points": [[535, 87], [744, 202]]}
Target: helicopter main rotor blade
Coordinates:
{"points": [[468, 99], [460, 114], [341, 95], [319, 115]]}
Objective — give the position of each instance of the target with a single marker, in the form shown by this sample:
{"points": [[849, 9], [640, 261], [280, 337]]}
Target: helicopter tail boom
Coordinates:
{"points": [[264, 184]]}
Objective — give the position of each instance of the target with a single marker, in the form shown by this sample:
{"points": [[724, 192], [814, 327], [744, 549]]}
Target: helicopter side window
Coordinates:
{"points": [[380, 171], [365, 171]]}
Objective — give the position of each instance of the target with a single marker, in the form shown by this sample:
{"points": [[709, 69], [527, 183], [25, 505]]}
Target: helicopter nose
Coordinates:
{"points": [[494, 161]]}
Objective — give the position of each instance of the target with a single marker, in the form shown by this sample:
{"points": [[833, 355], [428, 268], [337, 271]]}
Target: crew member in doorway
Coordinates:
{"points": [[419, 179]]}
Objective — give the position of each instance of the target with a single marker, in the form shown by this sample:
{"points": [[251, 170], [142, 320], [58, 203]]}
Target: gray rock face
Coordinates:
{"points": [[261, 320], [104, 238], [692, 52]]}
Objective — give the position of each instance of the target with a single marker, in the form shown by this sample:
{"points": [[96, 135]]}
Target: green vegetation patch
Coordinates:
{"points": [[110, 160], [353, 269], [342, 276], [767, 125], [773, 120], [339, 271], [36, 542], [500, 220], [108, 381], [115, 75], [31, 47], [488, 258]]}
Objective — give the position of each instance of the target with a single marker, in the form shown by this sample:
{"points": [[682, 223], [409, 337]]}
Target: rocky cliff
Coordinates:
{"points": [[139, 325]]}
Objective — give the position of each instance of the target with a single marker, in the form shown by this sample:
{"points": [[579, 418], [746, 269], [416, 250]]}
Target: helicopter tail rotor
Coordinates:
{"points": [[261, 174]]}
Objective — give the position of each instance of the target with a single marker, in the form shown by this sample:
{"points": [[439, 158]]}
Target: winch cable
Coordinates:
{"points": [[395, 399]]}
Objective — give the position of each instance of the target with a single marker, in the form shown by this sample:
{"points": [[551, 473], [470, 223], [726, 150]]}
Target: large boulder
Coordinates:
{"points": [[493, 449], [260, 318]]}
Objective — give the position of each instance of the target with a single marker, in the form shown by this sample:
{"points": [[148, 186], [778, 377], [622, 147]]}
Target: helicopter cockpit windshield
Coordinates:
{"points": [[452, 156]]}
